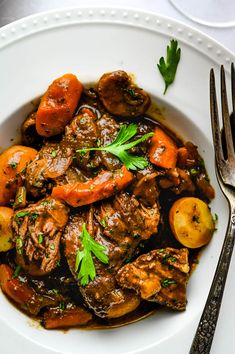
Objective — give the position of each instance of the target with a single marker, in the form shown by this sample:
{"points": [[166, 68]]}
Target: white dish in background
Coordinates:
{"points": [[89, 42]]}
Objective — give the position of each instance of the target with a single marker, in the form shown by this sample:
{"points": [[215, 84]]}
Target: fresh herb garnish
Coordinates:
{"points": [[22, 214], [17, 271], [19, 245], [131, 92], [104, 221], [52, 246], [168, 257], [62, 305], [193, 172], [119, 146], [168, 68], [40, 238], [53, 153], [44, 202], [166, 282], [14, 164], [33, 216], [84, 265]]}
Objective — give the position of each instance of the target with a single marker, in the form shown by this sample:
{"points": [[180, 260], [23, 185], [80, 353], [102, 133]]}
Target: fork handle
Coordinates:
{"points": [[206, 327]]}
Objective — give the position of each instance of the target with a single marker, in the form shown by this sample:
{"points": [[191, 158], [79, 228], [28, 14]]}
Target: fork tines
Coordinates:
{"points": [[225, 158]]}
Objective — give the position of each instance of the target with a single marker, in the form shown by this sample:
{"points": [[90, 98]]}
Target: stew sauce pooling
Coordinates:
{"points": [[86, 238]]}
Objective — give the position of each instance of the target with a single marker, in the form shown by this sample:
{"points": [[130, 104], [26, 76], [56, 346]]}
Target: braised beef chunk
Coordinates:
{"points": [[159, 276], [119, 225], [120, 96], [145, 187], [102, 294], [81, 133], [52, 161], [37, 230], [108, 131], [107, 299]]}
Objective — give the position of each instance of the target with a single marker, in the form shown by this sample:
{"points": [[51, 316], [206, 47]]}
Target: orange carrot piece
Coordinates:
{"points": [[163, 151], [66, 318], [103, 186], [13, 162], [16, 290], [58, 105], [22, 294]]}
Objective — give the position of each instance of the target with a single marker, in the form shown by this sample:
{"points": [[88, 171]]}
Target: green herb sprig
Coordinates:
{"points": [[84, 265], [17, 271], [167, 282], [119, 146], [169, 66]]}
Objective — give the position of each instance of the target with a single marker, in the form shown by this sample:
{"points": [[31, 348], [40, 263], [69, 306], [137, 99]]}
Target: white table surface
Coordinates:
{"points": [[11, 10]]}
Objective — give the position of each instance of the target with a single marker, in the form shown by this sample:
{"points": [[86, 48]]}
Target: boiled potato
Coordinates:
{"points": [[13, 161], [6, 242], [191, 222]]}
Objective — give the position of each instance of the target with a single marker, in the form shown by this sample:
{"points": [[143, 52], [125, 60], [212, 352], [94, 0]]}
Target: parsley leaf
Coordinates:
{"points": [[40, 238], [21, 214], [16, 272], [14, 164], [168, 67], [119, 146], [167, 282], [84, 263], [54, 153]]}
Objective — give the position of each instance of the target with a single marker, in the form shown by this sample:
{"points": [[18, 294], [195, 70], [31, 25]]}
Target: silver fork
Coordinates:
{"points": [[225, 171]]}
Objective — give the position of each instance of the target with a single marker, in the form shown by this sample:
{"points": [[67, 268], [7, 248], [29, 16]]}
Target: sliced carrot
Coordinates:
{"points": [[16, 290], [103, 186], [27, 298], [58, 105], [13, 162], [67, 318], [163, 151]]}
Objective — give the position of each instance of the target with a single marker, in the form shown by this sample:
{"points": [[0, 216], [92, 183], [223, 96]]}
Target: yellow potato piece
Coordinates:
{"points": [[191, 222], [6, 235]]}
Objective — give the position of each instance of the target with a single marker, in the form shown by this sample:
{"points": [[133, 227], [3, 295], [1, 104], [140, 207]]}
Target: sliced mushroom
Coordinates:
{"points": [[121, 96]]}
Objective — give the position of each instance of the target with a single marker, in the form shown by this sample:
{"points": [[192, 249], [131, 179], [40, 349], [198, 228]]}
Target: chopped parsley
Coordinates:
{"points": [[22, 214], [194, 172], [104, 221], [52, 246], [40, 238], [14, 164], [168, 257], [168, 66], [167, 282], [33, 216], [62, 305], [19, 245], [54, 153], [17, 271]]}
